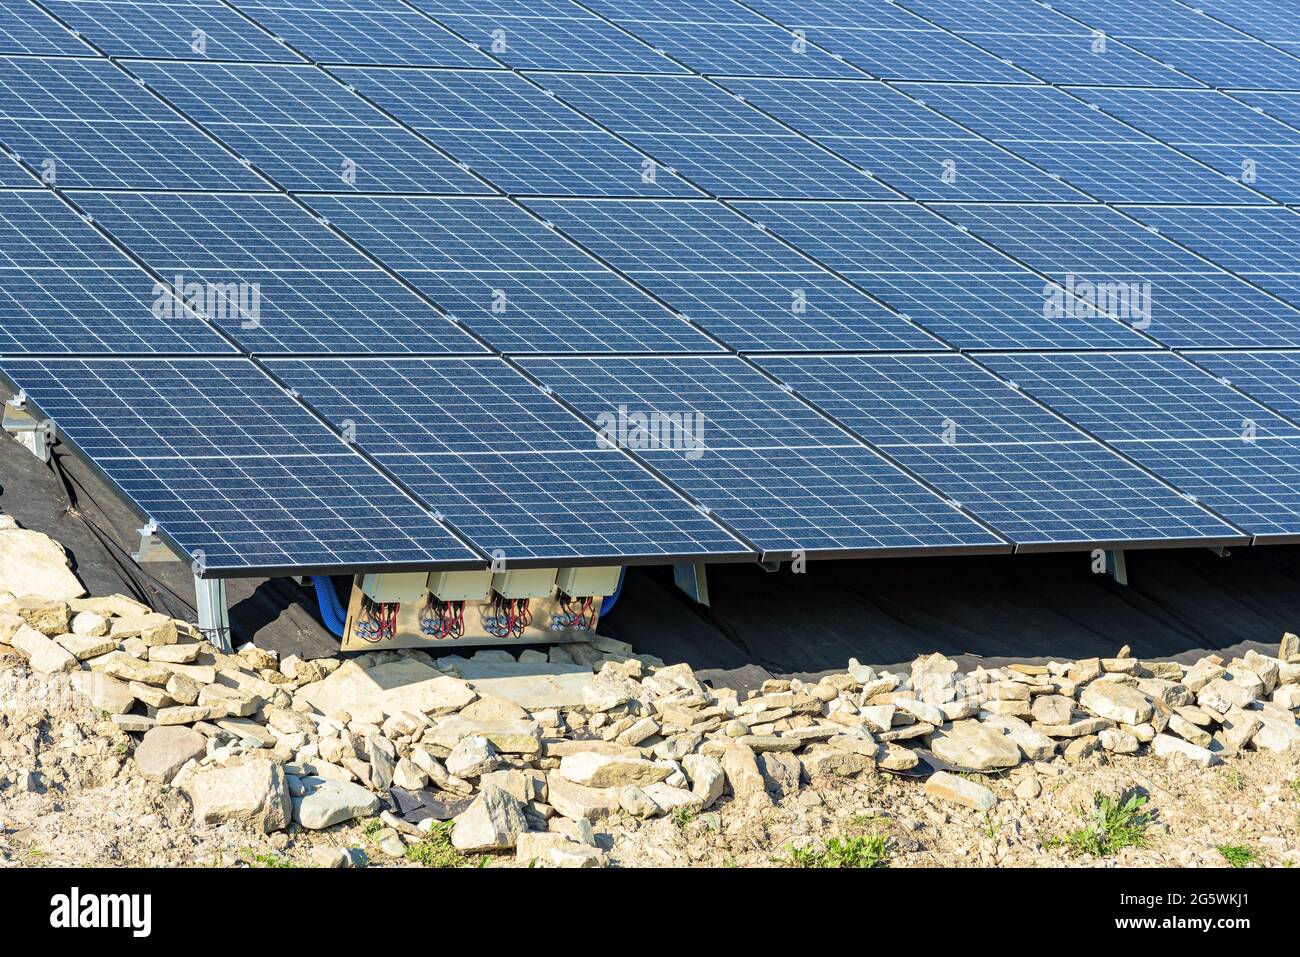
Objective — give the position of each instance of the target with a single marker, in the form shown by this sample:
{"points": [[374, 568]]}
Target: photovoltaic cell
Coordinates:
{"points": [[24, 29], [956, 287], [769, 466], [304, 129], [509, 277], [547, 35], [1263, 244], [1045, 43], [1088, 149], [1217, 130], [170, 29], [514, 134], [506, 464], [1032, 476], [1271, 20], [723, 38], [1101, 255], [1271, 377], [314, 292], [726, 273], [728, 148], [909, 147], [88, 125], [889, 42], [66, 289], [178, 437], [380, 32]]}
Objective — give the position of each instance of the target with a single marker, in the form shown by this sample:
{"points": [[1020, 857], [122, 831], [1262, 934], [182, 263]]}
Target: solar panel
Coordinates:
{"points": [[1035, 478], [66, 289], [769, 467], [380, 32], [84, 123], [508, 466], [1263, 245], [546, 35], [888, 42], [1271, 20], [1146, 281], [272, 276], [1271, 377], [1187, 40], [304, 129], [909, 147], [1217, 130], [180, 439], [956, 287], [723, 38], [514, 134], [1183, 423], [1047, 44], [728, 148], [1280, 106], [727, 274], [509, 277], [24, 29], [169, 29], [1088, 149]]}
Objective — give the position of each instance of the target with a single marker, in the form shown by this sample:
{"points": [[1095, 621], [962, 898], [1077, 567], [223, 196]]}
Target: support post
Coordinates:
{"points": [[214, 616], [770, 566], [36, 435], [691, 578], [1115, 566]]}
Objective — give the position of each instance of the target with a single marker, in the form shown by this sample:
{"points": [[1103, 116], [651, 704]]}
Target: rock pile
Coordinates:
{"points": [[533, 755]]}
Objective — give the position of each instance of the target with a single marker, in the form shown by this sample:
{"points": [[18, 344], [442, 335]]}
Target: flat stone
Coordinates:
{"points": [[1277, 732], [243, 729], [153, 628], [48, 616], [578, 802], [592, 769], [164, 751], [1188, 731], [637, 803], [32, 563], [1117, 741], [1166, 745], [473, 755], [105, 693], [254, 792], [556, 850], [493, 822], [706, 777], [43, 655], [825, 759], [121, 665], [151, 695], [781, 771], [671, 799], [1118, 702], [894, 757], [1078, 728], [970, 746], [185, 714], [1052, 709], [958, 790], [741, 768], [407, 684], [325, 803], [82, 647], [109, 606], [920, 710], [1238, 729], [758, 743], [1034, 745], [183, 653], [134, 723], [509, 737], [183, 690]]}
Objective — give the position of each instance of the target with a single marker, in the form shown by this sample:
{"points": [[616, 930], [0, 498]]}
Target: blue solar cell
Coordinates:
{"points": [[909, 147], [1088, 149], [170, 29], [66, 289], [379, 32], [1272, 20], [769, 466], [1280, 106], [304, 129], [1217, 130], [84, 123], [1029, 474], [730, 149], [25, 29], [1262, 244], [1047, 44], [1113, 264], [506, 464], [1140, 396], [180, 439], [953, 285], [274, 277], [547, 35], [724, 39], [1271, 377], [509, 277], [727, 274], [514, 134], [889, 42]]}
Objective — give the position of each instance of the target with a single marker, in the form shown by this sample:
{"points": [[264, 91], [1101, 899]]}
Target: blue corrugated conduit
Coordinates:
{"points": [[608, 604], [331, 612]]}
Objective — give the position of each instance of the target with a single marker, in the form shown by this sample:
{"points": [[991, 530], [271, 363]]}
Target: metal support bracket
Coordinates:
{"points": [[1115, 566], [692, 578], [770, 566], [214, 615], [152, 547], [26, 428]]}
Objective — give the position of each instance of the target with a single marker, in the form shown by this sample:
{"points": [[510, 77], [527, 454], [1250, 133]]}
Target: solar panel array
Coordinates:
{"points": [[357, 284]]}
